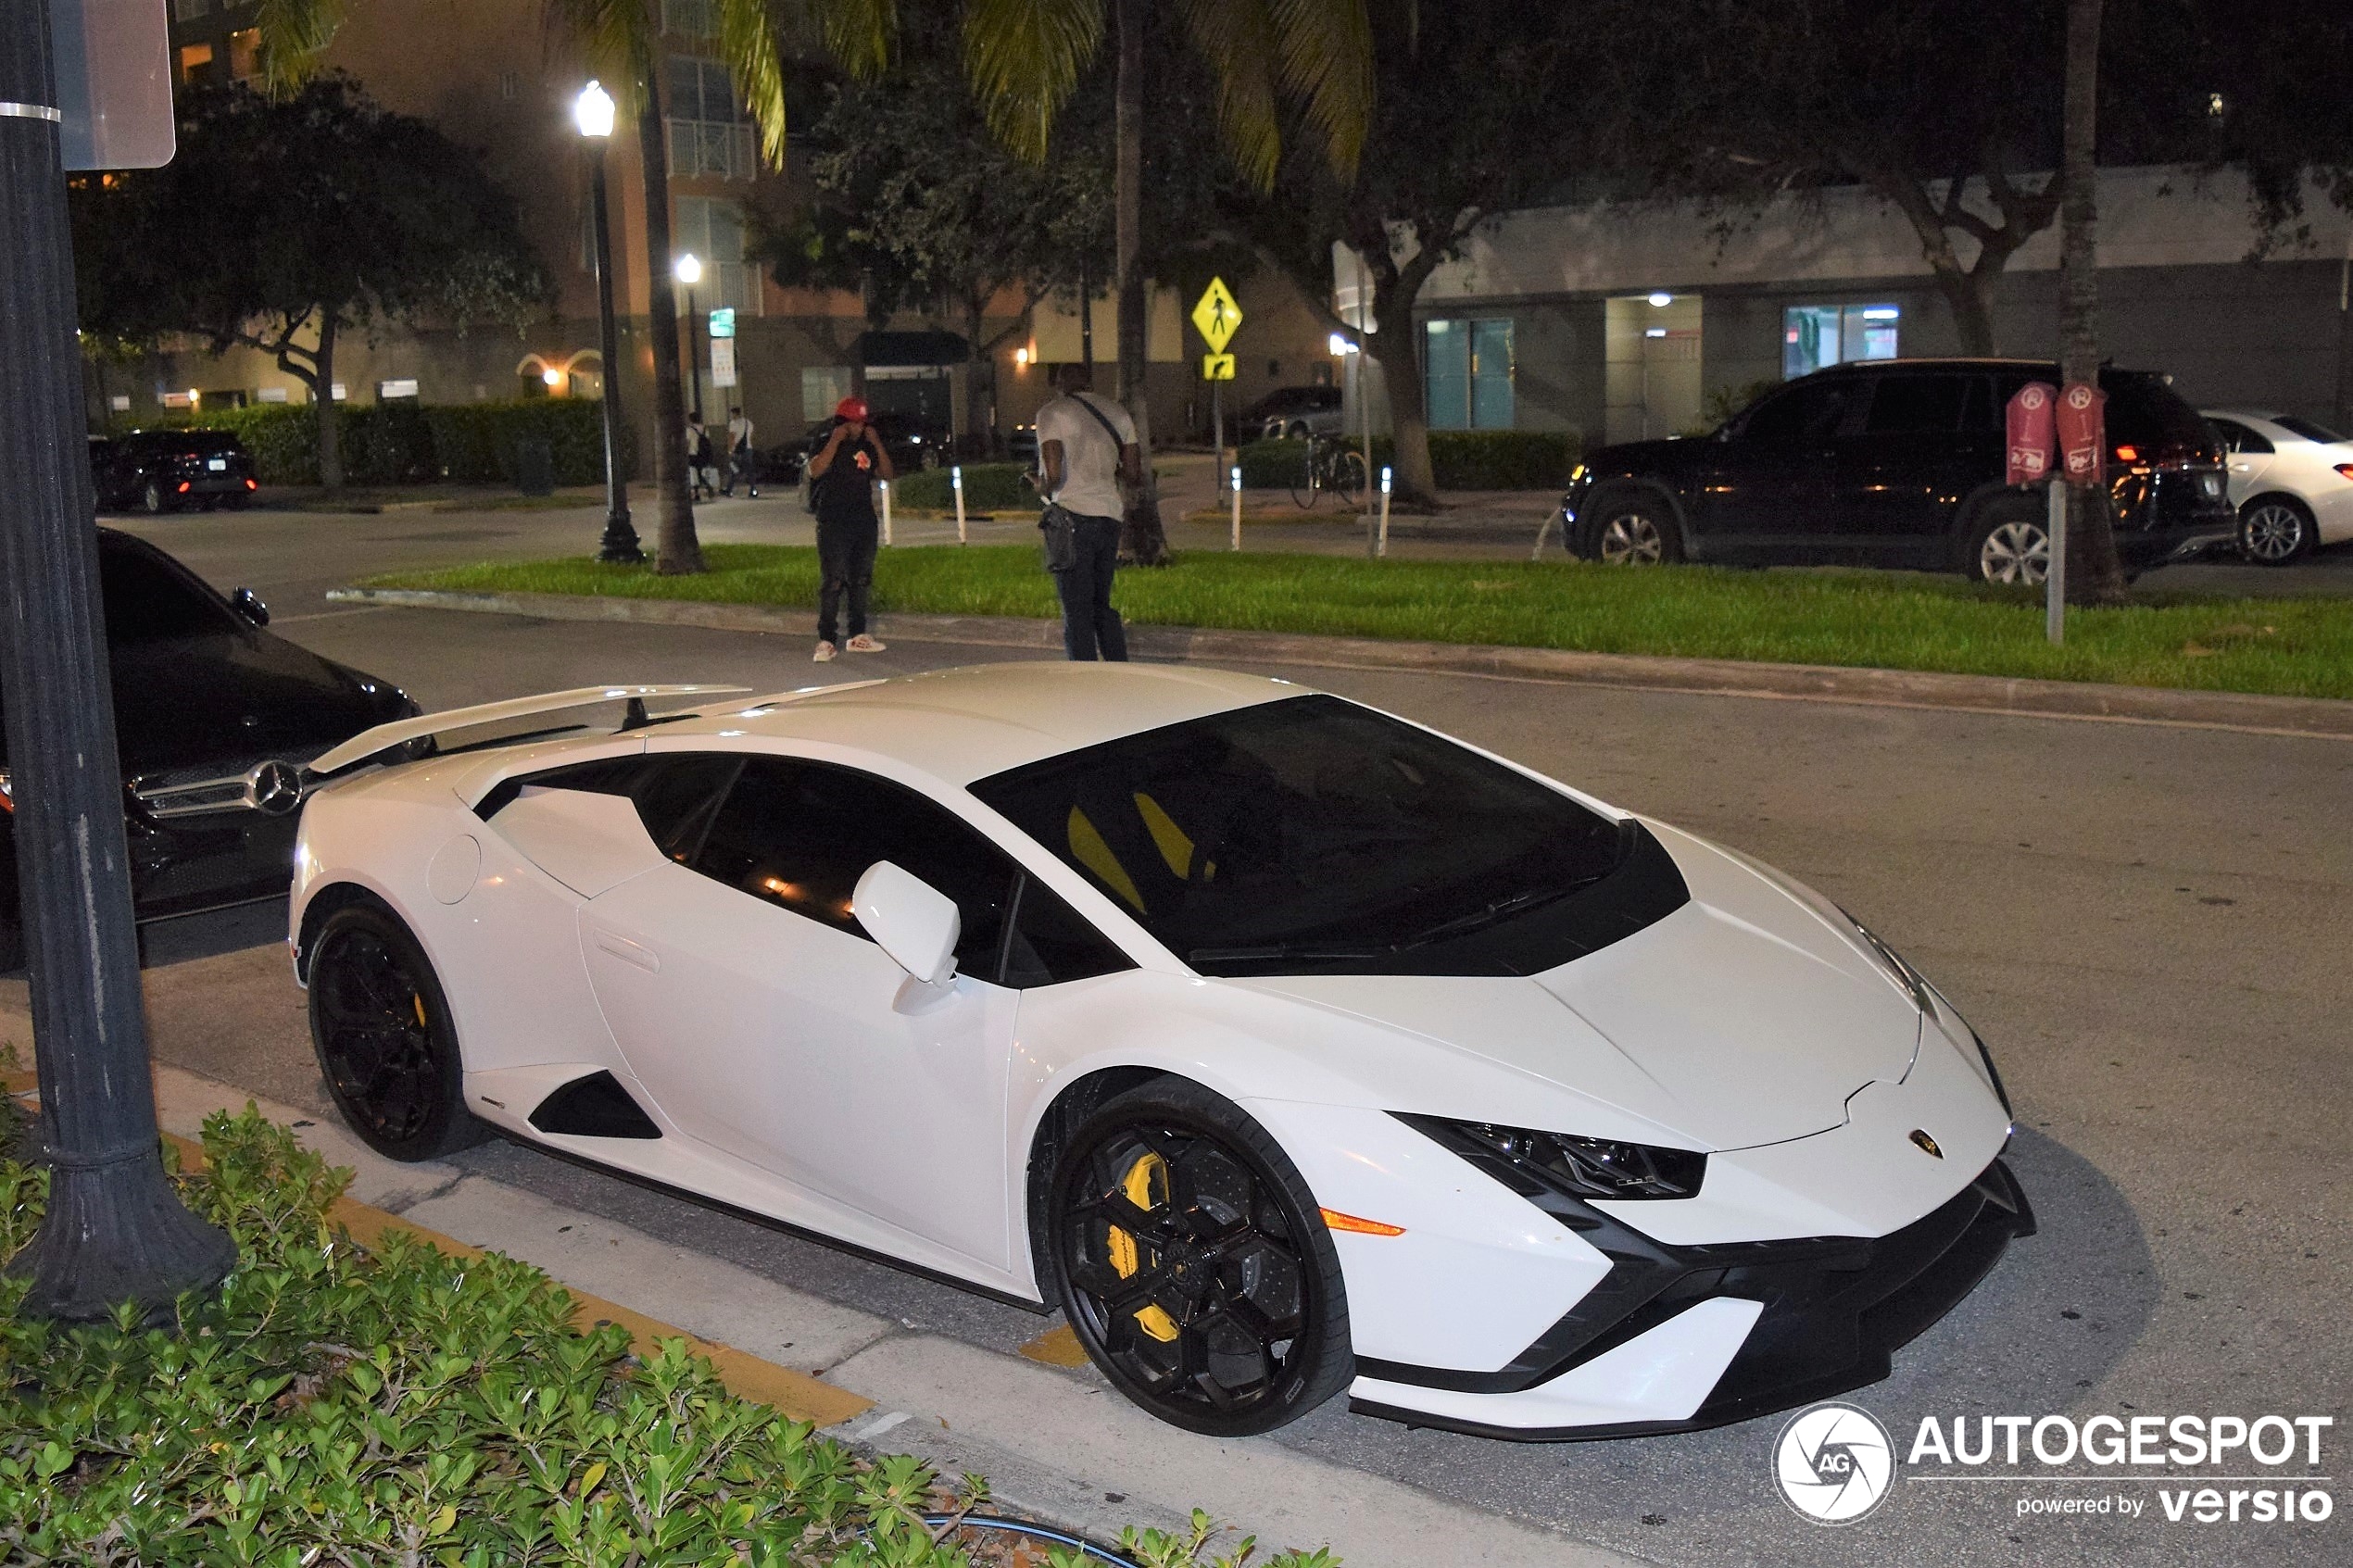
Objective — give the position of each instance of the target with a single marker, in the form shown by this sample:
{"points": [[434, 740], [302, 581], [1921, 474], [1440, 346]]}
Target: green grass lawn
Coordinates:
{"points": [[1898, 620]]}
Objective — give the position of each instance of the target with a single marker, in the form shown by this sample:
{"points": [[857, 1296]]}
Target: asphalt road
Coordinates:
{"points": [[2145, 923]]}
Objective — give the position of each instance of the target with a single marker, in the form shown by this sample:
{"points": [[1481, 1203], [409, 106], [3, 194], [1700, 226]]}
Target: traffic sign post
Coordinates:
{"points": [[1215, 316], [722, 346]]}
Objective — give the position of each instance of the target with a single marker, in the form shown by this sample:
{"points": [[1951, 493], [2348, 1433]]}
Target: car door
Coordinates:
{"points": [[2248, 453], [1771, 488], [765, 1024], [1914, 460]]}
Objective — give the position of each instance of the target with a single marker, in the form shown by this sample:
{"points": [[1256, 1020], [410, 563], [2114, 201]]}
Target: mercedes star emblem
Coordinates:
{"points": [[274, 788]]}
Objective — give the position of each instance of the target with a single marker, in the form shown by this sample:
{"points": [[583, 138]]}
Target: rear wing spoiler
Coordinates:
{"points": [[374, 743]]}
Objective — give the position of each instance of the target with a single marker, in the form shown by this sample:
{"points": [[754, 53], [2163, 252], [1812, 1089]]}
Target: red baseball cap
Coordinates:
{"points": [[851, 409]]}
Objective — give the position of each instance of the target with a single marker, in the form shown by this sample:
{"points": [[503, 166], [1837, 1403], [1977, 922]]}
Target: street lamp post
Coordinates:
{"points": [[114, 1230], [593, 112], [690, 273]]}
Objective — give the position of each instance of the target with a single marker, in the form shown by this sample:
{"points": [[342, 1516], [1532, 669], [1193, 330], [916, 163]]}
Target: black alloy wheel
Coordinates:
{"points": [[153, 498], [1193, 1265], [380, 1025], [1631, 527]]}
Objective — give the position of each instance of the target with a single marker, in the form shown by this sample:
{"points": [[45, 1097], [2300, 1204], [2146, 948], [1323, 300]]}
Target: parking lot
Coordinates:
{"points": [[2142, 920]]}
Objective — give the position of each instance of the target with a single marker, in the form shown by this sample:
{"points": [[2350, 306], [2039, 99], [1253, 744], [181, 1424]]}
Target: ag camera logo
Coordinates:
{"points": [[1835, 1462]]}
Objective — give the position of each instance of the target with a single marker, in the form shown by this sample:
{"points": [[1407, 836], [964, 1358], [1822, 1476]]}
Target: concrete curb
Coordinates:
{"points": [[2312, 718]]}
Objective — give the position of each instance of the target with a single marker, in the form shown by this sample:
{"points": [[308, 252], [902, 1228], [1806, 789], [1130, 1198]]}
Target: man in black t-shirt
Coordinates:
{"points": [[842, 478]]}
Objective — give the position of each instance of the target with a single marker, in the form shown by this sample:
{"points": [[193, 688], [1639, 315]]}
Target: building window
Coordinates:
{"points": [[244, 54], [714, 231], [690, 19], [189, 10], [821, 387], [193, 58], [1817, 337], [389, 391], [1468, 370], [709, 133]]}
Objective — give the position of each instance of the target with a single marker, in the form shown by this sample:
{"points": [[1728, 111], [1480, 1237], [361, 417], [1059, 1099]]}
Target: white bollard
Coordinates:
{"points": [[2055, 575], [956, 478], [1383, 548], [1235, 474], [886, 495]]}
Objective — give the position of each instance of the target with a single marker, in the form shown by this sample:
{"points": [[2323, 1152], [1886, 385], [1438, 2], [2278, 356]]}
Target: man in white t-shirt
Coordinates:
{"points": [[1086, 447]]}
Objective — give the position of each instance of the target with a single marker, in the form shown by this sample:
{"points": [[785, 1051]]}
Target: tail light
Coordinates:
{"points": [[184, 487], [253, 484], [2345, 470], [2126, 453]]}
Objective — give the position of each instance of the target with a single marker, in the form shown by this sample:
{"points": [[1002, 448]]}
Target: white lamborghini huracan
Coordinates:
{"points": [[1284, 1044]]}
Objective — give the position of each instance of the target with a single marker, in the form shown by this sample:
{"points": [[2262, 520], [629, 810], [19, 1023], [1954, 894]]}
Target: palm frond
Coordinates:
{"points": [[295, 34], [1238, 40], [1024, 58], [748, 45], [1323, 53], [859, 35], [615, 40]]}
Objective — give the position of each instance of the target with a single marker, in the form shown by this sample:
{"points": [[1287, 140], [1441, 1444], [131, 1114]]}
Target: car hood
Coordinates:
{"points": [[1644, 456], [228, 699], [1745, 1017]]}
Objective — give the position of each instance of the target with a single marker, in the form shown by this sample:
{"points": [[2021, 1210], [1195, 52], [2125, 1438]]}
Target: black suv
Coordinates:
{"points": [[161, 471], [1896, 463]]}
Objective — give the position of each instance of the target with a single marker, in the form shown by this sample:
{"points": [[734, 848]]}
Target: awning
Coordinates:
{"points": [[911, 348]]}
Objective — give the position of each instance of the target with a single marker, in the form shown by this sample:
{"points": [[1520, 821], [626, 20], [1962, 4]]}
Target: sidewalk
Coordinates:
{"points": [[1055, 1442]]}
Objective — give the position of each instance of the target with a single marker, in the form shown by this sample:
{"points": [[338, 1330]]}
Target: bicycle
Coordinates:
{"points": [[1331, 465]]}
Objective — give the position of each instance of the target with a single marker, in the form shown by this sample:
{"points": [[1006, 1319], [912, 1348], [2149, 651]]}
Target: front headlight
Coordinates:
{"points": [[1555, 1165]]}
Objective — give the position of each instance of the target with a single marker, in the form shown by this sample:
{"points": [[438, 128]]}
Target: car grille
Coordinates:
{"points": [[273, 786]]}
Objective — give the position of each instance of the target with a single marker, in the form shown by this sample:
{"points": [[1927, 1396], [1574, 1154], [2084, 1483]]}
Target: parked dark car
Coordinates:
{"points": [[1897, 463], [162, 470], [1293, 411], [215, 718]]}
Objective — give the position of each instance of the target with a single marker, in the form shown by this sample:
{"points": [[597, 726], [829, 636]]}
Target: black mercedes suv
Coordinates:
{"points": [[1896, 463], [163, 471]]}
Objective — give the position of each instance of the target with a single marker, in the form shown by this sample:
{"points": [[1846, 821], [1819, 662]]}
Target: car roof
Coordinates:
{"points": [[966, 724]]}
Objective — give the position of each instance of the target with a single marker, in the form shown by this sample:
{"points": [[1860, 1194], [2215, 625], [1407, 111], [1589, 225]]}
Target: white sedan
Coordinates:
{"points": [[2291, 479], [1286, 1047]]}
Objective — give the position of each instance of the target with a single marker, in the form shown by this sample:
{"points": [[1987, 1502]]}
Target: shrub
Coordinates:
{"points": [[406, 443], [1459, 460], [339, 1405], [989, 487]]}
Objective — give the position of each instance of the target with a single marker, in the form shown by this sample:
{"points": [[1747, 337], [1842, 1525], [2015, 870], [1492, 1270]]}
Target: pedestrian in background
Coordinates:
{"points": [[1085, 448], [842, 478], [739, 464], [699, 485]]}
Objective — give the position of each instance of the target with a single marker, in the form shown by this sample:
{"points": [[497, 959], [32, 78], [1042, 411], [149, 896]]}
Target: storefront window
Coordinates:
{"points": [[1817, 337], [1468, 370]]}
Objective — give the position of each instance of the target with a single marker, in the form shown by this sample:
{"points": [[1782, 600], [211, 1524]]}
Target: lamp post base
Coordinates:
{"points": [[116, 1232], [619, 547]]}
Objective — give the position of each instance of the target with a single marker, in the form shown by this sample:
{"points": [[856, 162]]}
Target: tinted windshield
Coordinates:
{"points": [[1310, 835], [149, 602]]}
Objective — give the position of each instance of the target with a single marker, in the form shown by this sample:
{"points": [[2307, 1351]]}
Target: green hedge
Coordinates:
{"points": [[989, 487], [394, 1404], [1459, 460], [404, 443]]}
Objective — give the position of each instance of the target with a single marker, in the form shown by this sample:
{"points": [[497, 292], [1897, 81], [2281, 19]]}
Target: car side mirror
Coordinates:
{"points": [[911, 920], [248, 603]]}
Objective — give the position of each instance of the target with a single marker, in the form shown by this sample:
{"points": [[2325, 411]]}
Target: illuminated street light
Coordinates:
{"points": [[592, 112], [552, 376], [1662, 299], [690, 270]]}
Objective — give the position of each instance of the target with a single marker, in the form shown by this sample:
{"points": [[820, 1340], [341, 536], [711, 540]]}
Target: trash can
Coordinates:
{"points": [[535, 467]]}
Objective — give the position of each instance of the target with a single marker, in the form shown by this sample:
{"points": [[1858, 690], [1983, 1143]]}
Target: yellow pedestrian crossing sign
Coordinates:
{"points": [[1217, 366], [1217, 314]]}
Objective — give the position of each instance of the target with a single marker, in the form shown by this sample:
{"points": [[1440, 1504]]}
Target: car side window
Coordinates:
{"points": [[800, 834], [2237, 437], [1801, 415], [1916, 405], [1048, 942], [677, 795]]}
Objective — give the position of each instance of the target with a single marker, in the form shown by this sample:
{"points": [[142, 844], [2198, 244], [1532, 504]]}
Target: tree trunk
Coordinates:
{"points": [[977, 439], [1143, 540], [1969, 297], [2345, 341], [2093, 574], [1397, 346], [114, 1230], [678, 550], [322, 402]]}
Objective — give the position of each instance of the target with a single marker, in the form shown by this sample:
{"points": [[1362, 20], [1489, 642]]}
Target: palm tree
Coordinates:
{"points": [[1025, 59], [619, 43]]}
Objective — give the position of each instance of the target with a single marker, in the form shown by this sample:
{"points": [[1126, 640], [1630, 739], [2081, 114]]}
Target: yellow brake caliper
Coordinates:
{"points": [[1146, 1185]]}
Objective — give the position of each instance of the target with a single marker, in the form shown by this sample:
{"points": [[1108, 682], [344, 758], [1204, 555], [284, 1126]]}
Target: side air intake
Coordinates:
{"points": [[594, 1106]]}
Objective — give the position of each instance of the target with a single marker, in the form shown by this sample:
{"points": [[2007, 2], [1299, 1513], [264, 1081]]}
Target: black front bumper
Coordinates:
{"points": [[1836, 1310]]}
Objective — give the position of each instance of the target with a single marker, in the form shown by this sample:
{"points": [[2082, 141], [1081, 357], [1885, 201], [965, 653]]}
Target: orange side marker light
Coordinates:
{"points": [[1340, 1221]]}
